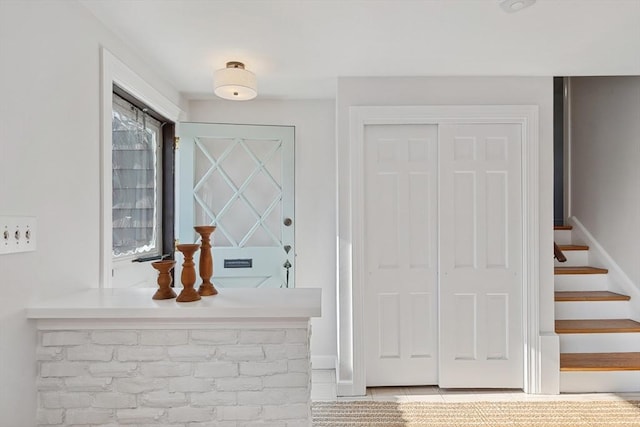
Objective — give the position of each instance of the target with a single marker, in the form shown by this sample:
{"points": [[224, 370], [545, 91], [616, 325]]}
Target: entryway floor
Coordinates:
{"points": [[323, 388]]}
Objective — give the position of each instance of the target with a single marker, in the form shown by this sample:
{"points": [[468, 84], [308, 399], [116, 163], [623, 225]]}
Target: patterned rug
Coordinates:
{"points": [[493, 414]]}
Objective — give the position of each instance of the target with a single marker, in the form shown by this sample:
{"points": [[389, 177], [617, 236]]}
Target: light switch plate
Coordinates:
{"points": [[17, 234]]}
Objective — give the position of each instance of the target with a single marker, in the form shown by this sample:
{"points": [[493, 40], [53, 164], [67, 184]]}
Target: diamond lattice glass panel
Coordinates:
{"points": [[236, 221], [268, 234], [215, 147], [259, 238], [237, 187], [266, 191], [206, 156], [219, 239], [211, 191], [274, 222], [212, 194], [262, 191], [238, 164], [274, 167], [262, 147]]}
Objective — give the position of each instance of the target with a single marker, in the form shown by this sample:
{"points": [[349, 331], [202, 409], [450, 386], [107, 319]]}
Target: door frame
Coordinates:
{"points": [[350, 369], [116, 72]]}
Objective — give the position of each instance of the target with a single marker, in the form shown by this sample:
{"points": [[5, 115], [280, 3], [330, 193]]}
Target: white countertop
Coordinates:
{"points": [[137, 304]]}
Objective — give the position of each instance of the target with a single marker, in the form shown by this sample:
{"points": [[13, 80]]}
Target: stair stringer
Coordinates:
{"points": [[618, 281]]}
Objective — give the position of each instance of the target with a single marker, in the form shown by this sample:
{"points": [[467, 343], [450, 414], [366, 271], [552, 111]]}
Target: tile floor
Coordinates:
{"points": [[323, 388]]}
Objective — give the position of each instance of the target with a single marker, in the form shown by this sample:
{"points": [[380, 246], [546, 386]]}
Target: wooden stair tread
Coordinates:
{"points": [[580, 270], [573, 247], [596, 326], [563, 227], [600, 361], [590, 296]]}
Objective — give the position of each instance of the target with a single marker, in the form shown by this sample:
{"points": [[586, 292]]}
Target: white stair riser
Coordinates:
{"points": [[574, 259], [581, 282], [592, 310], [598, 343], [562, 237], [600, 381]]}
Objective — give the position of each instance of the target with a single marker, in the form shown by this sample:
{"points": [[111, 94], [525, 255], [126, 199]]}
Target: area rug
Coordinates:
{"points": [[481, 414]]}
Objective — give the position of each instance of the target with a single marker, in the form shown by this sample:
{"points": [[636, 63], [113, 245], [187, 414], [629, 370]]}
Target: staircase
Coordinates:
{"points": [[599, 343]]}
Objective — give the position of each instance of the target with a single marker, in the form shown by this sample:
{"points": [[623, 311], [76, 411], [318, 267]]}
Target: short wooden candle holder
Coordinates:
{"points": [[164, 279]]}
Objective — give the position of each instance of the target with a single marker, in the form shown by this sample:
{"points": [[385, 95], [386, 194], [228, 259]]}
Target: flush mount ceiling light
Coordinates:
{"points": [[515, 5], [235, 83]]}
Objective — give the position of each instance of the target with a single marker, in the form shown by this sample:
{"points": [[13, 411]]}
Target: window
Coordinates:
{"points": [[142, 228], [134, 234], [136, 185]]}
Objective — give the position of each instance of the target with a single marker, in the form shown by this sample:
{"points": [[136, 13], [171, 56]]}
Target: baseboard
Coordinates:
{"points": [[549, 363], [323, 362], [347, 389], [618, 279]]}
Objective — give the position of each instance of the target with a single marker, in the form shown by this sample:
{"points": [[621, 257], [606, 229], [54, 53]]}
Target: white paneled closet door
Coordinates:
{"points": [[400, 251], [481, 331]]}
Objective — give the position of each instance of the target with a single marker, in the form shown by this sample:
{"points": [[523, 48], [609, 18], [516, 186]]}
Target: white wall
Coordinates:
{"points": [[353, 91], [49, 168], [605, 165], [315, 203]]}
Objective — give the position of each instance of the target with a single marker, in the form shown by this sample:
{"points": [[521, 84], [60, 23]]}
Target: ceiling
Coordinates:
{"points": [[298, 48]]}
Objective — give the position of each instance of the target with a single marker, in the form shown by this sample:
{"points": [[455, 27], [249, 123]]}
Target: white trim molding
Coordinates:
{"points": [[567, 148], [116, 72], [351, 361]]}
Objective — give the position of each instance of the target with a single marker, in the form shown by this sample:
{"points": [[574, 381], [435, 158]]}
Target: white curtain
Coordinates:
{"points": [[135, 180]]}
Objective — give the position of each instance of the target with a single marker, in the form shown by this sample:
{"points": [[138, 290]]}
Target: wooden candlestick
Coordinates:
{"points": [[188, 276], [206, 260], [164, 279]]}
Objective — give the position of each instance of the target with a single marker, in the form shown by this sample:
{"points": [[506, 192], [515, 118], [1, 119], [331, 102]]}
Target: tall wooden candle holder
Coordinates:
{"points": [[164, 279], [188, 276], [206, 260]]}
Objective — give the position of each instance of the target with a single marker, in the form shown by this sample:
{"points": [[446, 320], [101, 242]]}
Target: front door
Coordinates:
{"points": [[240, 178], [401, 254], [481, 331]]}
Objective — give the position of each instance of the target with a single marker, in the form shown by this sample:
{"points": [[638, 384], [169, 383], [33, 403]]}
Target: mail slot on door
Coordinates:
{"points": [[238, 263]]}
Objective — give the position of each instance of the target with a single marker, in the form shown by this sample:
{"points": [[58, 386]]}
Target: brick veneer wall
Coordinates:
{"points": [[190, 378]]}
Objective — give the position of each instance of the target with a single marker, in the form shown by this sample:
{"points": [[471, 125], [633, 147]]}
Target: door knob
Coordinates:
{"points": [[287, 222]]}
